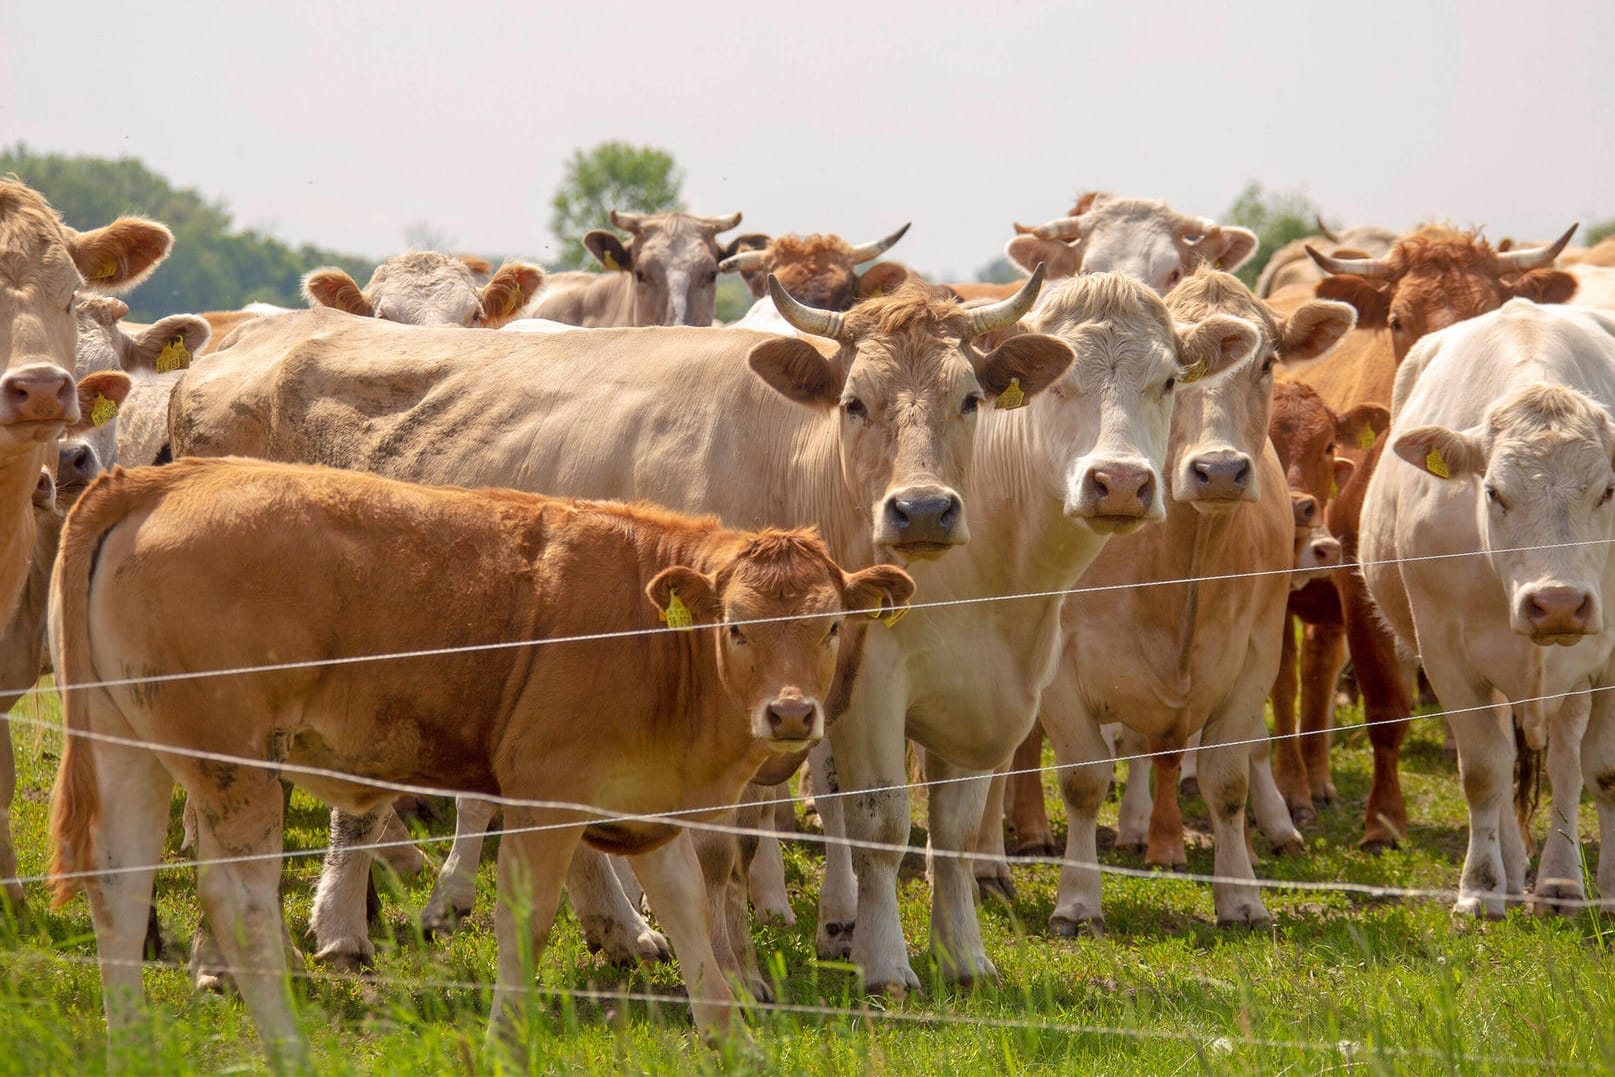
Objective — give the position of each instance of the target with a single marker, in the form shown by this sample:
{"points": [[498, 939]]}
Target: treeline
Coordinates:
{"points": [[215, 266]]}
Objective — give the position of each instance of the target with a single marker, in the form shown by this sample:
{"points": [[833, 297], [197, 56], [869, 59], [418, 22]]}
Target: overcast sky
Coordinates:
{"points": [[342, 123]]}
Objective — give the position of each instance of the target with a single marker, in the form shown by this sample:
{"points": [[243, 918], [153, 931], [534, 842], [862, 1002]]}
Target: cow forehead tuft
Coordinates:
{"points": [[911, 307], [775, 561]]}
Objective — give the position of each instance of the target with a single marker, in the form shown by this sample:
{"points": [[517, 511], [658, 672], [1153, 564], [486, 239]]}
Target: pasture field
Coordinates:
{"points": [[1343, 983]]}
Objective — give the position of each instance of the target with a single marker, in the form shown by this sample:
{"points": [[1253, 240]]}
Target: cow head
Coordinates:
{"points": [[90, 445], [1437, 277], [43, 264], [821, 271], [780, 601], [1144, 239], [428, 288], [905, 382], [1219, 429], [103, 344], [674, 259], [1543, 460]]}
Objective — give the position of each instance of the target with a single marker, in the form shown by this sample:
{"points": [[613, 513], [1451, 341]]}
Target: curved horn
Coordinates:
{"points": [[721, 224], [870, 251], [1064, 228], [1323, 229], [628, 222], [1007, 312], [1372, 268], [1534, 257], [745, 261], [821, 323]]}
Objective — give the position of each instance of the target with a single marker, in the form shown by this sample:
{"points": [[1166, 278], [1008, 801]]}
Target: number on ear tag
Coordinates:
{"points": [[677, 614]]}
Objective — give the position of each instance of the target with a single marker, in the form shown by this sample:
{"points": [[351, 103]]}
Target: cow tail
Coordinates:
{"points": [[76, 800], [1527, 786]]}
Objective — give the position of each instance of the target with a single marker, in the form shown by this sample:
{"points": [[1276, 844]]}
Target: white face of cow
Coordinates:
{"points": [[1540, 466], [1219, 429], [673, 258], [427, 288]]}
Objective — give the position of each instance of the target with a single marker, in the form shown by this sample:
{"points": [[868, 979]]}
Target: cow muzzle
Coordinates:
{"points": [[36, 400], [922, 522], [76, 465], [1317, 552], [1556, 614], [1115, 497], [790, 722], [1212, 480]]}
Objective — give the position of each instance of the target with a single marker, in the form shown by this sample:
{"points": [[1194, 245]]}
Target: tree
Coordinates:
{"points": [[612, 175], [1000, 271], [1598, 230], [1276, 217]]}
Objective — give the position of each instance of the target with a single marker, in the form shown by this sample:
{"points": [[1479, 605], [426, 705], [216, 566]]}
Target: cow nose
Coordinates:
{"points": [[1305, 509], [926, 518], [75, 464], [1221, 474], [1121, 491], [1558, 611], [791, 719], [44, 490], [37, 394], [1325, 551]]}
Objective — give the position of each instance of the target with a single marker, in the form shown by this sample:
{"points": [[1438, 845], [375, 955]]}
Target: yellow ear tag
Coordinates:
{"points": [[1011, 398], [1436, 464], [677, 614], [1365, 438], [105, 271], [516, 299], [890, 619], [611, 263], [174, 356], [1192, 374], [1334, 489], [103, 411]]}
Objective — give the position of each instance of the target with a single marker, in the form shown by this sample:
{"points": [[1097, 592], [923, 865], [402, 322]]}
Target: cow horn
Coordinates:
{"points": [[870, 251], [1007, 312], [722, 224], [1323, 229], [628, 222], [1534, 257], [1064, 228], [821, 323], [1372, 268], [745, 261]]}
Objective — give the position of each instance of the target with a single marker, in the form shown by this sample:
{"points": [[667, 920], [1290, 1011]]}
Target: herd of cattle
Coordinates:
{"points": [[1197, 463]]}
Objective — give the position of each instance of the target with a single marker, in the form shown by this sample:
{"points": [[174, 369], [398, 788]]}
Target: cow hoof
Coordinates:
{"points": [[345, 960], [979, 971], [1474, 908], [1189, 788], [1303, 813], [834, 940], [999, 887], [1062, 927], [1037, 847], [1291, 846], [1257, 919], [895, 985], [214, 981], [1104, 838], [442, 923], [783, 915], [1374, 845], [1557, 899]]}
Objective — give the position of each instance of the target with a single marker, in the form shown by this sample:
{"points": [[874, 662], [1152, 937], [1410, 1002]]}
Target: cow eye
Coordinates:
{"points": [[736, 636], [1267, 367], [855, 408], [712, 277], [1169, 385], [639, 275], [1173, 277], [70, 297], [1395, 324], [971, 403], [1496, 498], [1609, 491], [834, 633]]}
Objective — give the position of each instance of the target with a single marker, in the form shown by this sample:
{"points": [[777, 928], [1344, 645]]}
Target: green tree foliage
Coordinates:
{"points": [[1000, 271], [1277, 217], [1598, 230], [612, 175], [212, 266]]}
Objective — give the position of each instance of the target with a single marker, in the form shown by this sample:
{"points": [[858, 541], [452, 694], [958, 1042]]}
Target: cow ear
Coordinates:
{"points": [[801, 369], [1344, 470], [1543, 286], [1362, 426], [331, 287], [880, 589], [121, 255], [1056, 255], [608, 250], [1446, 454], [749, 241], [679, 593], [94, 392], [882, 278], [169, 344], [1214, 344], [511, 289], [1032, 361], [481, 268], [1228, 247], [1370, 298], [1314, 328]]}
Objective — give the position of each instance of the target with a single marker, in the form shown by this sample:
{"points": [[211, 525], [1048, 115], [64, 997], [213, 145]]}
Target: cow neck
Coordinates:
{"points": [[815, 493], [1185, 543], [19, 475], [617, 294]]}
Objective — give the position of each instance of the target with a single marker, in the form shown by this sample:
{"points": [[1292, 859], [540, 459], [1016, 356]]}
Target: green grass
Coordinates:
{"points": [[1401, 985]]}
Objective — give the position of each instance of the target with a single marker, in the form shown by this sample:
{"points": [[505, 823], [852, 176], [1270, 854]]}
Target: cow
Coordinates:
{"points": [[764, 614], [1290, 266], [427, 288], [1141, 237], [43, 265], [1432, 278], [821, 270], [666, 275], [863, 428], [1502, 438]]}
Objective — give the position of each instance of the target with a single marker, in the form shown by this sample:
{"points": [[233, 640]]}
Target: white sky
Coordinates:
{"points": [[342, 123]]}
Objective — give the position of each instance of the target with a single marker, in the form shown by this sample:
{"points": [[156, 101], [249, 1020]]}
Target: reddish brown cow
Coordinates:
{"points": [[820, 270], [1431, 279]]}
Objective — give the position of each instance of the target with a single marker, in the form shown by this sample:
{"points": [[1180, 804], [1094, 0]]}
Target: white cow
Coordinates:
{"points": [[1503, 427]]}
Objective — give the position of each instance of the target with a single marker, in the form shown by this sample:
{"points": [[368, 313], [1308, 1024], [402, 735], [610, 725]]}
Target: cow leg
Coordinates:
{"points": [[242, 902], [400, 853], [1486, 766], [1224, 778], [838, 893], [611, 923], [1133, 815], [1189, 771], [1166, 815], [8, 789], [1323, 656], [1272, 813], [992, 875], [455, 891], [338, 924], [1027, 812], [532, 866], [1387, 704], [134, 791], [719, 856], [672, 878], [1559, 875], [628, 882], [1289, 768], [955, 814], [1598, 768], [767, 885], [1083, 758]]}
